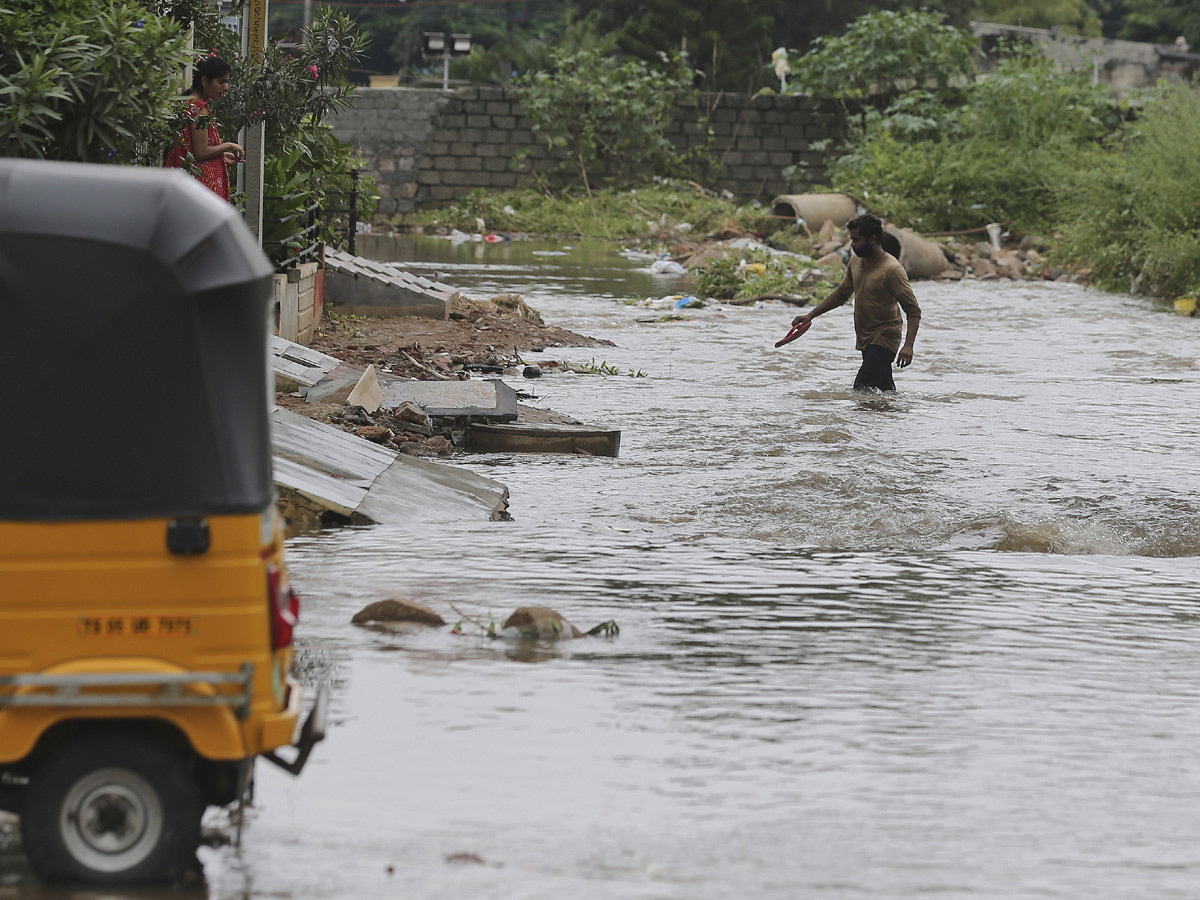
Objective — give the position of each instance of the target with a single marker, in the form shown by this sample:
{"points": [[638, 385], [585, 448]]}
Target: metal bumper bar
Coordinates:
{"points": [[169, 689]]}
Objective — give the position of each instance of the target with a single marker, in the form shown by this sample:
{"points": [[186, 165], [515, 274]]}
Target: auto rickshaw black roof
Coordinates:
{"points": [[134, 304]]}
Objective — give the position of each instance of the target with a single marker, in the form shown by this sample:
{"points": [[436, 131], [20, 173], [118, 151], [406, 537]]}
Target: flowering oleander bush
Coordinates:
{"points": [[87, 81]]}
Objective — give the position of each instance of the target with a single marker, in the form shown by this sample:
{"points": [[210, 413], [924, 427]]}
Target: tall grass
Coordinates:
{"points": [[1131, 210], [994, 158]]}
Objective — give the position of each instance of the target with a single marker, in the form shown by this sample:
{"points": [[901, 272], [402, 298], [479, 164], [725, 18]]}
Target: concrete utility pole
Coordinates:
{"points": [[254, 41]]}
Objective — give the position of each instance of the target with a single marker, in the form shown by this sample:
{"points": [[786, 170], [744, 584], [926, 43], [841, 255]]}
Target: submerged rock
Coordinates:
{"points": [[397, 611], [538, 623]]}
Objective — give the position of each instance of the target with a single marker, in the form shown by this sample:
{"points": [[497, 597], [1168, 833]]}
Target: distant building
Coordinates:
{"points": [[1123, 64]]}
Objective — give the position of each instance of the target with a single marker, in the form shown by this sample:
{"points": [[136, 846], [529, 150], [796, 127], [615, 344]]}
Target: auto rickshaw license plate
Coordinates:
{"points": [[136, 626]]}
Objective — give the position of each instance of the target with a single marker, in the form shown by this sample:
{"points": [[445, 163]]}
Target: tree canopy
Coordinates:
{"points": [[728, 42]]}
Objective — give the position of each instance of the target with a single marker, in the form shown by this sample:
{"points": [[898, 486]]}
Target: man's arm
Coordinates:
{"points": [[840, 295], [903, 293]]}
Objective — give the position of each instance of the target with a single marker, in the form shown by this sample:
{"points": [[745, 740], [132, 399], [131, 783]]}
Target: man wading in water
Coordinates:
{"points": [[880, 289]]}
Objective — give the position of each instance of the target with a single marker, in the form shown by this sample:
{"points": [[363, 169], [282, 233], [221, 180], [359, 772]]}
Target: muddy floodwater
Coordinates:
{"points": [[939, 644]]}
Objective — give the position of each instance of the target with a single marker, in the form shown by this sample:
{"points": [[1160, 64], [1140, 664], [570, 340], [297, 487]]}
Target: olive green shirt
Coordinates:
{"points": [[879, 292]]}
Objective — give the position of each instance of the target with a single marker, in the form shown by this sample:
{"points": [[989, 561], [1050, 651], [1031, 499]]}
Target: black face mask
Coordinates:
{"points": [[864, 250]]}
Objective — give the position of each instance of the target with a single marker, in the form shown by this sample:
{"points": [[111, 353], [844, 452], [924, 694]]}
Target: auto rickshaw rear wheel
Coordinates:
{"points": [[111, 809]]}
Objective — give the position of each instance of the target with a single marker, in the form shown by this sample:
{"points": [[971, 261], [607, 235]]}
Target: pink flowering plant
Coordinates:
{"points": [[291, 92], [287, 89]]}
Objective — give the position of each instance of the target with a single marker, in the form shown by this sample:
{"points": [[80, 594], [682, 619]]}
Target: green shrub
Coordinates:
{"points": [[291, 92], [719, 280], [1132, 209], [87, 81], [886, 53], [604, 116], [996, 158]]}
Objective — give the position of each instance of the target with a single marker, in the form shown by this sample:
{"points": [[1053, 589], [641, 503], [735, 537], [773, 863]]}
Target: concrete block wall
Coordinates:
{"points": [[426, 147], [752, 140], [298, 303]]}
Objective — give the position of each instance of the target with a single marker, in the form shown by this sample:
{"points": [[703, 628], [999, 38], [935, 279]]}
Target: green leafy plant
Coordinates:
{"points": [[602, 115], [886, 53], [87, 81], [291, 92], [994, 158], [596, 368], [607, 629], [1131, 209], [758, 274], [719, 279]]}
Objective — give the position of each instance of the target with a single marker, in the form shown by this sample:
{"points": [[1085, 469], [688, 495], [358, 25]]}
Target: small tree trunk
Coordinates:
{"points": [[591, 200]]}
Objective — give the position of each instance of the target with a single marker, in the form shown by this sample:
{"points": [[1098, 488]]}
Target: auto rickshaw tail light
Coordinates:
{"points": [[284, 608]]}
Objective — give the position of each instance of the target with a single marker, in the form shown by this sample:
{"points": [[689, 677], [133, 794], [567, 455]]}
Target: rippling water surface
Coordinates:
{"points": [[944, 643]]}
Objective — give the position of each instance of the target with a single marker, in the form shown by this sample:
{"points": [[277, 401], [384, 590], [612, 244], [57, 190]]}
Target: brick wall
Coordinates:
{"points": [[425, 147]]}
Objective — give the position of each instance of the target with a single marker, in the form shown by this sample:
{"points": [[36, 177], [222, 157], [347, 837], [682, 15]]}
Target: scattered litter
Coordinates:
{"points": [[666, 267], [689, 303]]}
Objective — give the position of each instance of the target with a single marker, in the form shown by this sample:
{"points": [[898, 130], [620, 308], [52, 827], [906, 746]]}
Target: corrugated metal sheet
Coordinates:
{"points": [[349, 475], [301, 364]]}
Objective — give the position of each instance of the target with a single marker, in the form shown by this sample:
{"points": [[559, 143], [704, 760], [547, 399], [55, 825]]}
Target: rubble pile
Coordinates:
{"points": [[1007, 257]]}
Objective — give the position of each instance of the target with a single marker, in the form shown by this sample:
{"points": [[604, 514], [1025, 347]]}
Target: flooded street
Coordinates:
{"points": [[945, 643]]}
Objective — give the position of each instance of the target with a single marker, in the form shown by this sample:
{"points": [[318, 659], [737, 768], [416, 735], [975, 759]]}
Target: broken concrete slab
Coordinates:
{"points": [[326, 470], [362, 286], [367, 393], [531, 437], [491, 399]]}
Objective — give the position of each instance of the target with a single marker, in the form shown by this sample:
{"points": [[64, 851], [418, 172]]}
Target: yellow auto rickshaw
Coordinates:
{"points": [[146, 620]]}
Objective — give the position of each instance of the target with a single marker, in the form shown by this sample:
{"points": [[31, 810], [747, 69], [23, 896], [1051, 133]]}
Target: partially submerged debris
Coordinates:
{"points": [[538, 623], [533, 623], [393, 610]]}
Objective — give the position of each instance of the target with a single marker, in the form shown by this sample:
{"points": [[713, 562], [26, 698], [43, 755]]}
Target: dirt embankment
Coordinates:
{"points": [[479, 335], [481, 338]]}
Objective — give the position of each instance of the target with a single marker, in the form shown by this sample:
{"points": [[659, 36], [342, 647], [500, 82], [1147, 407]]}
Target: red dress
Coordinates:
{"points": [[212, 173]]}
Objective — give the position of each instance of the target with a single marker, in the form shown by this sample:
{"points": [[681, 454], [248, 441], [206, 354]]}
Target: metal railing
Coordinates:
{"points": [[317, 225]]}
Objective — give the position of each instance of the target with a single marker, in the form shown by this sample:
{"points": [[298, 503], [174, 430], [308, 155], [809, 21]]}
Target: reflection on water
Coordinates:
{"points": [[942, 643]]}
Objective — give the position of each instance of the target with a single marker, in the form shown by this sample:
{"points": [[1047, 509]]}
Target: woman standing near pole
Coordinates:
{"points": [[198, 147]]}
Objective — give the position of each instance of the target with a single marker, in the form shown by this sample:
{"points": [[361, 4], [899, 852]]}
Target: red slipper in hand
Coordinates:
{"points": [[796, 331]]}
